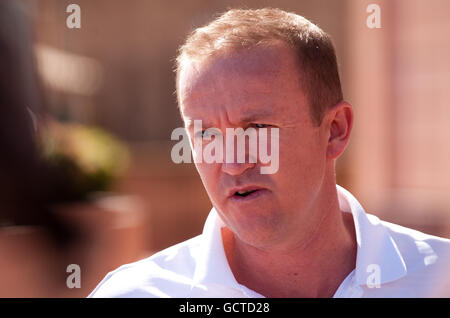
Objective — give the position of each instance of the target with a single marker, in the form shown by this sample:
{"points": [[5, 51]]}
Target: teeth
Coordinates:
{"points": [[242, 192]]}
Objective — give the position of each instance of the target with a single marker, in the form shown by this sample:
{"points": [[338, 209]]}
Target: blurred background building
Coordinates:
{"points": [[116, 73]]}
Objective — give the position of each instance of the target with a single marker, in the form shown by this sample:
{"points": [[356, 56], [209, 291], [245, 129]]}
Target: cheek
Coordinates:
{"points": [[209, 175], [301, 159]]}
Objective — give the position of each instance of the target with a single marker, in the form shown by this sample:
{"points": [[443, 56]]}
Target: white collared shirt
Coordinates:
{"points": [[392, 261]]}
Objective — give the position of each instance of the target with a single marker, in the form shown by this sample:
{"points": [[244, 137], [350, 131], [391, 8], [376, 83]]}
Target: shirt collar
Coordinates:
{"points": [[212, 272], [375, 246]]}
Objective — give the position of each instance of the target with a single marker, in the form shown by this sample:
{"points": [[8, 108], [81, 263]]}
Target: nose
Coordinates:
{"points": [[235, 169], [241, 153]]}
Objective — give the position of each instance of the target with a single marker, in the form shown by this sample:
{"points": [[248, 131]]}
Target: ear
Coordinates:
{"points": [[338, 121]]}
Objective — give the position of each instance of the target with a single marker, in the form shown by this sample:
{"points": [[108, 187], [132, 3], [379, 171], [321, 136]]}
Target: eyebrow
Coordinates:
{"points": [[247, 117], [251, 116], [189, 122]]}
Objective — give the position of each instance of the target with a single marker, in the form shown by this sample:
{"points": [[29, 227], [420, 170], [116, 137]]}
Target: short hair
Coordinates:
{"points": [[239, 29]]}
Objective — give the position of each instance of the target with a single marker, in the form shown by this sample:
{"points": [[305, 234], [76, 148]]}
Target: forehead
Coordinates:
{"points": [[243, 82]]}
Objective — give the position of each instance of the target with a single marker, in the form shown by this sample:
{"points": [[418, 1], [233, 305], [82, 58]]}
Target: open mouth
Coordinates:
{"points": [[244, 193], [247, 194]]}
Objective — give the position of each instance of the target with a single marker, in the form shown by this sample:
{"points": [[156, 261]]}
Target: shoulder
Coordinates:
{"points": [[167, 273], [413, 242], [427, 259]]}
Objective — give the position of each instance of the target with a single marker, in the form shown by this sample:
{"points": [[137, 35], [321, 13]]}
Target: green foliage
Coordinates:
{"points": [[87, 159]]}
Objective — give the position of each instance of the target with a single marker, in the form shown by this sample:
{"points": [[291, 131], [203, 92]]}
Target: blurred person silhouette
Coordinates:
{"points": [[295, 232], [29, 186]]}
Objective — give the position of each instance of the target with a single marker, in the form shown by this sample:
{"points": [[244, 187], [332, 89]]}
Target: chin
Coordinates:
{"points": [[259, 239], [258, 227]]}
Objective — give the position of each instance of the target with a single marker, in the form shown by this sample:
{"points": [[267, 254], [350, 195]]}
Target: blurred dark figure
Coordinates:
{"points": [[29, 187]]}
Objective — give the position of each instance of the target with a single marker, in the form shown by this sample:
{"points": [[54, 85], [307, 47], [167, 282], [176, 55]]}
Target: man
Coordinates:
{"points": [[293, 233]]}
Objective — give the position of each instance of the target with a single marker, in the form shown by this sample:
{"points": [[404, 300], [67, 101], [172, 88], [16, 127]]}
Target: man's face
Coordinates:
{"points": [[257, 88]]}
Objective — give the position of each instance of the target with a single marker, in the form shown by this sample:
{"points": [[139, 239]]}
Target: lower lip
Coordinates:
{"points": [[251, 197]]}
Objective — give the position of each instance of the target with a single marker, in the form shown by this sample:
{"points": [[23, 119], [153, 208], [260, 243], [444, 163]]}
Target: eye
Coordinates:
{"points": [[260, 125], [200, 134], [208, 133]]}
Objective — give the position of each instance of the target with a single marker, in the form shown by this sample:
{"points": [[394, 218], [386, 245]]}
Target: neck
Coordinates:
{"points": [[314, 268]]}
